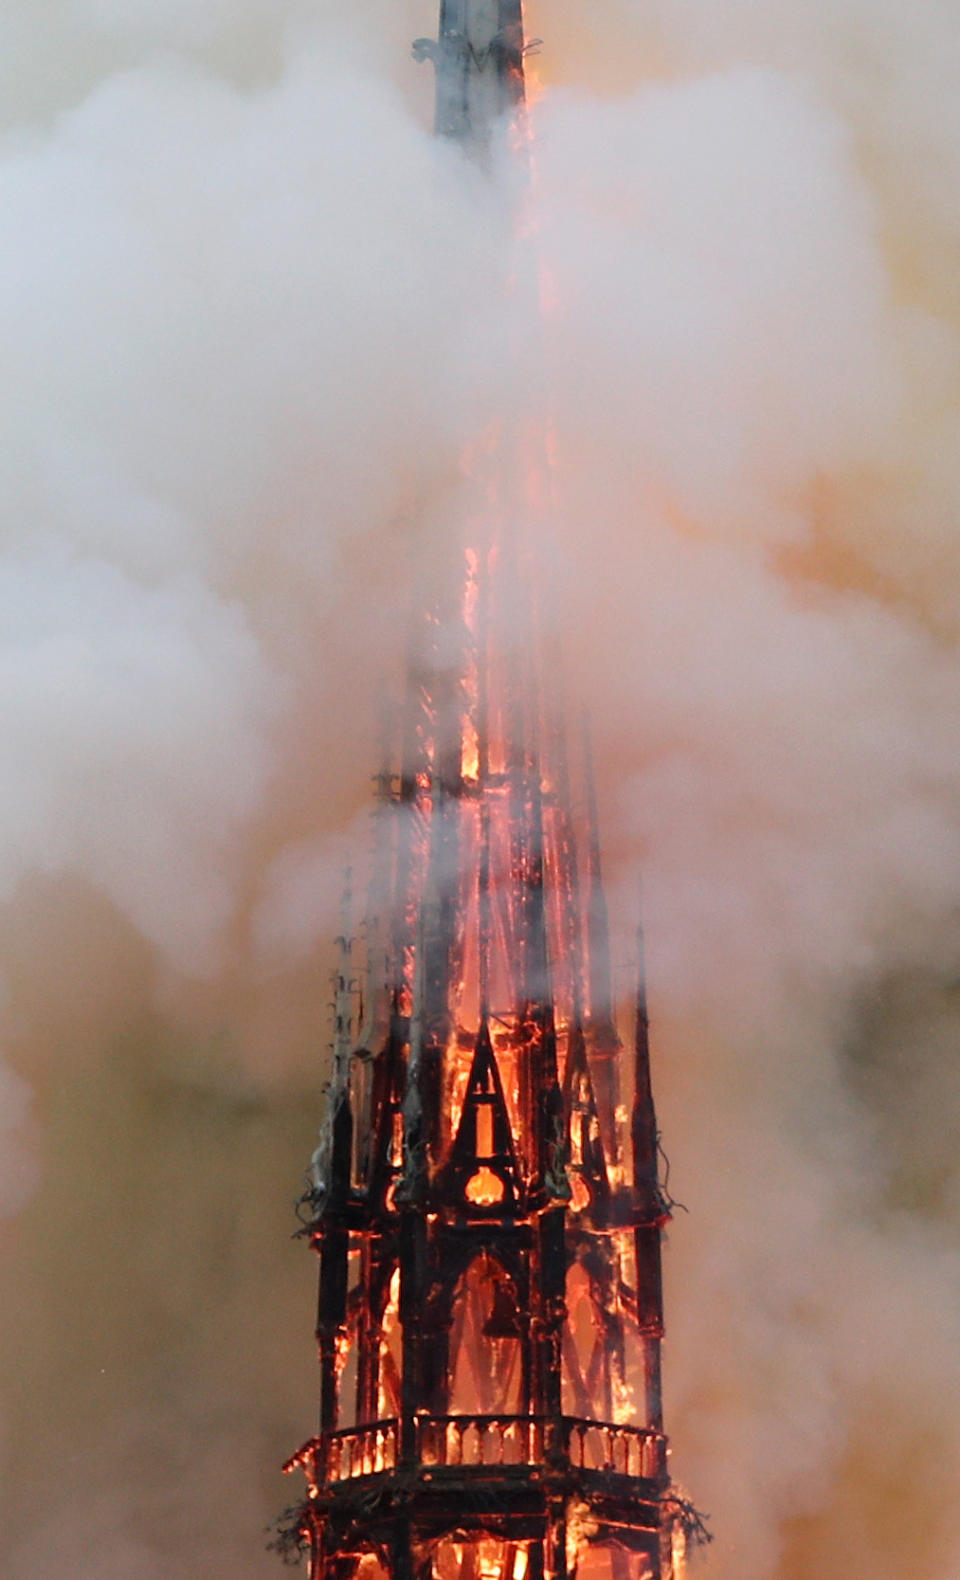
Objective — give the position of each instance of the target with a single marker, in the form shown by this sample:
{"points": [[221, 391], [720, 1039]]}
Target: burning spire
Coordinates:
{"points": [[490, 1309]]}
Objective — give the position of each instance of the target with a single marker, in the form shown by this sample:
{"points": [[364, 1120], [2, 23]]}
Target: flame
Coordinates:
{"points": [[678, 1552], [488, 1558], [390, 1352], [470, 751], [470, 739], [459, 1058], [484, 1189], [581, 1525]]}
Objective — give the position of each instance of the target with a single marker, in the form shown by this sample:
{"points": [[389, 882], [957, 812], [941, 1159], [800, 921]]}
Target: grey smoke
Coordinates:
{"points": [[251, 315]]}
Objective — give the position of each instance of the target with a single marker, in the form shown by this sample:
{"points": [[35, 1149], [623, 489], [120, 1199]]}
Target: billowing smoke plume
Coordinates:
{"points": [[251, 315]]}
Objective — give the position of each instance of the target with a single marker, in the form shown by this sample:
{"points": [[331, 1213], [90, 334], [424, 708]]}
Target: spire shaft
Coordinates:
{"points": [[478, 59]]}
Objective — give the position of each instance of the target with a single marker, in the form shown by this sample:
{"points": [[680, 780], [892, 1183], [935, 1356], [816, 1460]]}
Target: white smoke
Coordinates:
{"points": [[753, 434], [250, 315]]}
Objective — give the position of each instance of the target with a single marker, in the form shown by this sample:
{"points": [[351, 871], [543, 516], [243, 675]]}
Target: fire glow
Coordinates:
{"points": [[488, 1225], [477, 1150]]}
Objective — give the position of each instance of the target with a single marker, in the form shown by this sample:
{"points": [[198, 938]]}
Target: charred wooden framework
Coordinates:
{"points": [[485, 1199]]}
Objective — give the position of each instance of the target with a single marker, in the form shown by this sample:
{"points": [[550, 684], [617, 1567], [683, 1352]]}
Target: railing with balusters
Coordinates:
{"points": [[477, 1441], [447, 1440], [625, 1450], [360, 1450]]}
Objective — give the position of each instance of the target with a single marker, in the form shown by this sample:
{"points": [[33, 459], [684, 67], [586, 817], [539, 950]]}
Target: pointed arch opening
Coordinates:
{"points": [[348, 1341], [586, 1344], [481, 1557], [586, 1158], [390, 1356], [485, 1342], [483, 1166]]}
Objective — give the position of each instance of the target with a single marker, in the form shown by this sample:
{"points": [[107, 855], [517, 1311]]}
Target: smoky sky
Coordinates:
{"points": [[252, 319]]}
